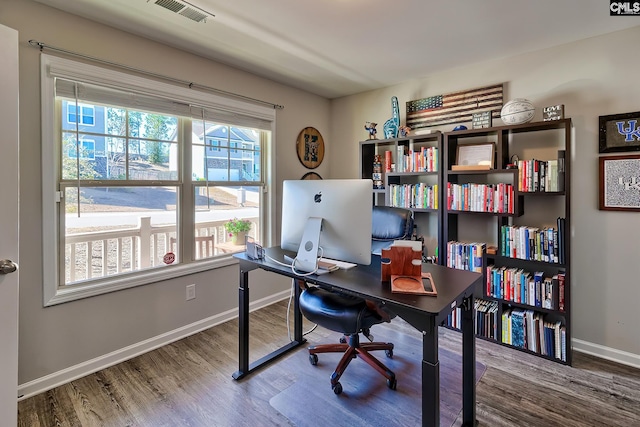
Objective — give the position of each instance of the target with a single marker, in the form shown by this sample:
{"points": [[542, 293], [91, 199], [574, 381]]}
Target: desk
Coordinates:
{"points": [[456, 288]]}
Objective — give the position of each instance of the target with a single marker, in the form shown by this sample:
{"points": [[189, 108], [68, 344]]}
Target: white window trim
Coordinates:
{"points": [[51, 67]]}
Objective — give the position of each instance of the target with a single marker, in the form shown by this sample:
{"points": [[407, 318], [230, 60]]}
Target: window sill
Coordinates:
{"points": [[86, 290]]}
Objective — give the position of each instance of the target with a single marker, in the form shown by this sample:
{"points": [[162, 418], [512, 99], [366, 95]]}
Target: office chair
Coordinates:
{"points": [[351, 315]]}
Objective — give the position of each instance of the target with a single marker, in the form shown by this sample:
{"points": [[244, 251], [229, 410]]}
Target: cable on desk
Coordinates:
{"points": [[293, 283], [292, 265]]}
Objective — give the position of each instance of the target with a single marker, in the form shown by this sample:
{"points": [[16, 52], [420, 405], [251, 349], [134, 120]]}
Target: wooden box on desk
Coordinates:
{"points": [[402, 266]]}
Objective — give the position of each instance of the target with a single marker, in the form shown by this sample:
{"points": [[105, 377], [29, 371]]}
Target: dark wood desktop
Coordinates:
{"points": [[456, 288]]}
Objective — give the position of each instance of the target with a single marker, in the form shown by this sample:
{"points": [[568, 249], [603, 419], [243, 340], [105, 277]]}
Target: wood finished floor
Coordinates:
{"points": [[188, 383]]}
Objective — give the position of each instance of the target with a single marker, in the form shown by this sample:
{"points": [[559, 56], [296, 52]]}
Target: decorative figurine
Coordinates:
{"points": [[378, 175], [404, 130], [392, 125], [371, 128]]}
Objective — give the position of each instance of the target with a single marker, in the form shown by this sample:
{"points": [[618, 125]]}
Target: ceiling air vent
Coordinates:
{"points": [[194, 13]]}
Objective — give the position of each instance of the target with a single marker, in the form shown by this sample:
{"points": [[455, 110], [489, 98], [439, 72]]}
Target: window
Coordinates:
{"points": [[86, 113], [143, 177], [86, 148]]}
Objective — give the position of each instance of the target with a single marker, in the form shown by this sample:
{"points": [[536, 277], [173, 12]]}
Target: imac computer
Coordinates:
{"points": [[330, 218]]}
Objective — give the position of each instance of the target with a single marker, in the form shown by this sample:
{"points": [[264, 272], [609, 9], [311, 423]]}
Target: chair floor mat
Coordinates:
{"points": [[366, 400]]}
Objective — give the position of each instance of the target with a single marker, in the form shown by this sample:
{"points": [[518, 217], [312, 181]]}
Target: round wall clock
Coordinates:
{"points": [[310, 147], [311, 175]]}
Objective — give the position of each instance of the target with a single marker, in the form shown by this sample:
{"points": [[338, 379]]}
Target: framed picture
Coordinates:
{"points": [[474, 157], [619, 132], [481, 120], [310, 147], [620, 183]]}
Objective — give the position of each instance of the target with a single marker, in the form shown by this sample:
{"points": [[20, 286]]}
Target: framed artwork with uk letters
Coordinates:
{"points": [[619, 132], [620, 183]]}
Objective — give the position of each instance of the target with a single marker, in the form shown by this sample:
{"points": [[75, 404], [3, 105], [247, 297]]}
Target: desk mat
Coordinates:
{"points": [[366, 401]]}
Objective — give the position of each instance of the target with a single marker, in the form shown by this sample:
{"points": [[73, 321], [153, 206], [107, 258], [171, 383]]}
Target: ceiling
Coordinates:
{"points": [[340, 47]]}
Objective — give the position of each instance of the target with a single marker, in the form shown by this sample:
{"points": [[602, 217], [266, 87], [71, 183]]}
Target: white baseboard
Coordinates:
{"points": [[607, 353], [80, 370]]}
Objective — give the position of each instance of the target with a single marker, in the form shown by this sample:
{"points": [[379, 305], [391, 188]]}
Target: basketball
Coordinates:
{"points": [[517, 111]]}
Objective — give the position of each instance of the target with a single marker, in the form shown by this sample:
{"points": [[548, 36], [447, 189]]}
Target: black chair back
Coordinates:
{"points": [[388, 224]]}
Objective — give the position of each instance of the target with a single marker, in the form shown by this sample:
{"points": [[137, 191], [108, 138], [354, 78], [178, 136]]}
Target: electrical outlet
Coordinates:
{"points": [[191, 291]]}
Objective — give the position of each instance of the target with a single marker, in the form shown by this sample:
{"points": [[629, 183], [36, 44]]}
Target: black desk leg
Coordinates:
{"points": [[430, 378], [243, 325], [244, 367], [468, 364]]}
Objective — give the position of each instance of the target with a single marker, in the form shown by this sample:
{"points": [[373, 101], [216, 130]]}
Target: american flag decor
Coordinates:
{"points": [[454, 107]]}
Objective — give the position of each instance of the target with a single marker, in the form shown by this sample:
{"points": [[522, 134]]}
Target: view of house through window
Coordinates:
{"points": [[121, 177], [145, 180]]}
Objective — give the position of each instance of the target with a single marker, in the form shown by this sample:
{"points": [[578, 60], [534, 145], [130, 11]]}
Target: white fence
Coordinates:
{"points": [[105, 253]]}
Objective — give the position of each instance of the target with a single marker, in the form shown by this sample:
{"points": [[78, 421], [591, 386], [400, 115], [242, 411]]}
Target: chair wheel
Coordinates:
{"points": [[392, 384], [337, 389], [313, 359], [343, 340], [389, 353]]}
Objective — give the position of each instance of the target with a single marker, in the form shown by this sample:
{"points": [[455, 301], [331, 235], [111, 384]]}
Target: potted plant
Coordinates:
{"points": [[237, 229]]}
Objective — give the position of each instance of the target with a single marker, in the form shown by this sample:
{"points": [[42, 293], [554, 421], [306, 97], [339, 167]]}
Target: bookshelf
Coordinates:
{"points": [[512, 224], [483, 218], [412, 177]]}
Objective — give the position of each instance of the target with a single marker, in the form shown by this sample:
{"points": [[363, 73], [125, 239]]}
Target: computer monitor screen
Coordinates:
{"points": [[344, 205]]}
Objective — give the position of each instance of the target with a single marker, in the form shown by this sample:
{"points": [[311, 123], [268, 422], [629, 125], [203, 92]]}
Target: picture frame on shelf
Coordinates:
{"points": [[481, 120], [474, 157], [619, 183], [619, 132], [553, 112]]}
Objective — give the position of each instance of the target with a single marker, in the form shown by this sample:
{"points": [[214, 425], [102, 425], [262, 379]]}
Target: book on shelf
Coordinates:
{"points": [[529, 330], [561, 235], [465, 256], [539, 175], [517, 328], [475, 197], [420, 196], [561, 169], [561, 291], [423, 160]]}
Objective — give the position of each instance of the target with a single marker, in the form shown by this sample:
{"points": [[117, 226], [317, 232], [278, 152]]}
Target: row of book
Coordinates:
{"points": [[486, 318], [496, 198], [423, 160], [533, 243], [542, 175], [419, 196], [465, 256], [529, 330], [523, 287]]}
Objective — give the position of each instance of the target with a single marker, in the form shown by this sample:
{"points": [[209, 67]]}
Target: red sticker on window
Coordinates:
{"points": [[169, 258]]}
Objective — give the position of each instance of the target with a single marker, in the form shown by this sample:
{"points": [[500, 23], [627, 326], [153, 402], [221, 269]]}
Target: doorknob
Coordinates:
{"points": [[7, 266]]}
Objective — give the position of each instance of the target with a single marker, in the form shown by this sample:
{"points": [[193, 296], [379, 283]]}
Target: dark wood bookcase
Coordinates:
{"points": [[409, 173], [535, 211]]}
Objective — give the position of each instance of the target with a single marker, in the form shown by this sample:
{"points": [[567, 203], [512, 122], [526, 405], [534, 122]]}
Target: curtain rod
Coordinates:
{"points": [[191, 85]]}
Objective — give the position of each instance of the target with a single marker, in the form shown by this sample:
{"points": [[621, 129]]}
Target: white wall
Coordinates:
{"points": [[60, 341], [593, 77]]}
